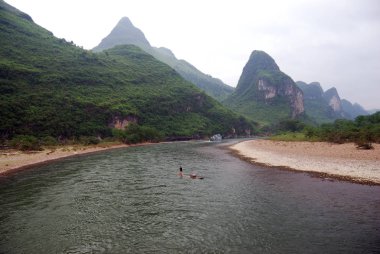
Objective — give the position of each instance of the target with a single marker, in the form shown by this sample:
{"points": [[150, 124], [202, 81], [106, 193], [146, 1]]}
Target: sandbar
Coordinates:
{"points": [[327, 160], [15, 160]]}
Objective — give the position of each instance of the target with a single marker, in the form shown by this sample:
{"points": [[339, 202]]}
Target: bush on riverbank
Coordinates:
{"points": [[135, 133], [363, 131], [25, 143]]}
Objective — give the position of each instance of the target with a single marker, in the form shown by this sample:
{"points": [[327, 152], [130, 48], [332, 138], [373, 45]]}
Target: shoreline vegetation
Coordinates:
{"points": [[326, 160]]}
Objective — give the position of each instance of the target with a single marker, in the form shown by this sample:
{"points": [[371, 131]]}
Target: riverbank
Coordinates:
{"points": [[338, 161], [15, 160]]}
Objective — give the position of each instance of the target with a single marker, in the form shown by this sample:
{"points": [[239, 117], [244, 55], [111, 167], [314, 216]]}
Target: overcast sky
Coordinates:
{"points": [[334, 42]]}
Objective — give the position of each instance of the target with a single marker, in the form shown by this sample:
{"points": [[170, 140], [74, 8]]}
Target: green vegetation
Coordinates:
{"points": [[134, 134], [364, 131], [264, 93], [25, 143], [293, 136], [125, 33], [52, 88]]}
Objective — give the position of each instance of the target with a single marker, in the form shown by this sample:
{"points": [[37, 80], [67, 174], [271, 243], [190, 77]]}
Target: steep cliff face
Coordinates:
{"points": [[333, 99], [264, 93]]}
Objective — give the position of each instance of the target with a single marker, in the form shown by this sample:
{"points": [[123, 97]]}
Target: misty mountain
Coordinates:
{"points": [[52, 88], [353, 110], [264, 93], [327, 106], [315, 104], [126, 33], [373, 111]]}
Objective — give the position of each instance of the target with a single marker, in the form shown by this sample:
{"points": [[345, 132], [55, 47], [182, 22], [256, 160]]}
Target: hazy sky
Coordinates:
{"points": [[334, 42]]}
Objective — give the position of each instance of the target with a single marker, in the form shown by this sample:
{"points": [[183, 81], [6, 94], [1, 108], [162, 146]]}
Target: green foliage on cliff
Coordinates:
{"points": [[264, 93], [316, 106], [50, 87], [266, 114]]}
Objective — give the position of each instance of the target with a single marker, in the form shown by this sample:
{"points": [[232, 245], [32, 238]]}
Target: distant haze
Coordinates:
{"points": [[333, 42]]}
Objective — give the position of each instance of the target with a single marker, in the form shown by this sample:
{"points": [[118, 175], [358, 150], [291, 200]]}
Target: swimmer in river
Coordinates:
{"points": [[191, 176]]}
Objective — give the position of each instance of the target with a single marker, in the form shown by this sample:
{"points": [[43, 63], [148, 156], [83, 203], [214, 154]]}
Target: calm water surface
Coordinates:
{"points": [[131, 201]]}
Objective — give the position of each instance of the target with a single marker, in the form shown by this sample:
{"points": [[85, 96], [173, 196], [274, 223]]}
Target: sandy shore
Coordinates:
{"points": [[328, 160], [13, 160]]}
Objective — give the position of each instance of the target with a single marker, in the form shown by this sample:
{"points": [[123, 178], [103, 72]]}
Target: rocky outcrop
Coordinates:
{"points": [[296, 100], [264, 93], [288, 90], [122, 122], [333, 99]]}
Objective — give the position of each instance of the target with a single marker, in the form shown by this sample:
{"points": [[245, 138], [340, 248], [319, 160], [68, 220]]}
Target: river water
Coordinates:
{"points": [[132, 201]]}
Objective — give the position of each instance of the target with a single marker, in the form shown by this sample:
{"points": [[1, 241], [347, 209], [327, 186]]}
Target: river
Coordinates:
{"points": [[132, 201]]}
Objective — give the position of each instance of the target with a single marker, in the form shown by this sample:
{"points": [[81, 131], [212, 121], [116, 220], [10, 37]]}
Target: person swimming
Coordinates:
{"points": [[191, 176]]}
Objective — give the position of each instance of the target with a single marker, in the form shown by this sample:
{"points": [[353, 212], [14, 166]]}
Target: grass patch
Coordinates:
{"points": [[293, 136]]}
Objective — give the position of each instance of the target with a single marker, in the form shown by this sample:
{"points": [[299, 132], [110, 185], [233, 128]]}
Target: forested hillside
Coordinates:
{"points": [[51, 88]]}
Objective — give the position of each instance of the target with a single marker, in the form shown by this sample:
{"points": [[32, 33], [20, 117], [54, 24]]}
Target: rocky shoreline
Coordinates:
{"points": [[326, 160]]}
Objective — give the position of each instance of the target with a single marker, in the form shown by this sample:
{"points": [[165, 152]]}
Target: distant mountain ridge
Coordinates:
{"points": [[327, 106], [126, 33], [264, 93]]}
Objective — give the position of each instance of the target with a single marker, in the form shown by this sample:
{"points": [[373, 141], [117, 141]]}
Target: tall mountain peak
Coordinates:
{"points": [[125, 21], [264, 89], [259, 61], [262, 61], [124, 33]]}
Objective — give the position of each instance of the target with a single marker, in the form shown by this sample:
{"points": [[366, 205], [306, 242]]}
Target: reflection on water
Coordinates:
{"points": [[131, 200]]}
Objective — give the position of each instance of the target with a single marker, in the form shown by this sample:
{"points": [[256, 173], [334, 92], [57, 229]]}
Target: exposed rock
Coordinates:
{"points": [[269, 91], [333, 99], [122, 122]]}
